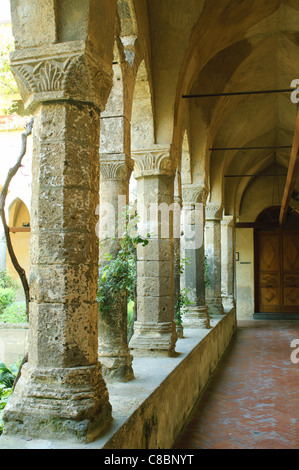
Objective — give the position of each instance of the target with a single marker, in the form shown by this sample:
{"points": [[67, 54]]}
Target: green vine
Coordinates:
{"points": [[118, 276]]}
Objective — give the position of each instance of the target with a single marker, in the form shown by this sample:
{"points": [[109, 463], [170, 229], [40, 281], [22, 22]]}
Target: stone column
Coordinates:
{"points": [[154, 330], [61, 392], [194, 199], [2, 249], [227, 261], [213, 255], [177, 254], [114, 194]]}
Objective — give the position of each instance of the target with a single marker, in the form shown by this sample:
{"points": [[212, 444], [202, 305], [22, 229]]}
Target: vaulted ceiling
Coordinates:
{"points": [[225, 46]]}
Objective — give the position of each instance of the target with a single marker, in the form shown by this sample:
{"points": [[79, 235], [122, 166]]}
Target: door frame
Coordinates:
{"points": [[275, 228]]}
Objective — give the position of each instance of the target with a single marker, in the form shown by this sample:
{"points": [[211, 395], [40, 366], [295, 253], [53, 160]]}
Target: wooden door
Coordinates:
{"points": [[290, 272], [277, 272], [269, 291]]}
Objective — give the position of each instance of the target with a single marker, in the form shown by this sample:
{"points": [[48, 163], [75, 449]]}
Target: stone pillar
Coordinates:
{"points": [[227, 261], [177, 254], [114, 194], [194, 199], [2, 249], [213, 255], [154, 330], [61, 392]]}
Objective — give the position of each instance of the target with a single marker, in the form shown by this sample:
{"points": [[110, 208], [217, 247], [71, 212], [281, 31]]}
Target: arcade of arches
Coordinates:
{"points": [[118, 90]]}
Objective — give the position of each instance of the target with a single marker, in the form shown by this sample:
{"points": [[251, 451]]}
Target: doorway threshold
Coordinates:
{"points": [[276, 316]]}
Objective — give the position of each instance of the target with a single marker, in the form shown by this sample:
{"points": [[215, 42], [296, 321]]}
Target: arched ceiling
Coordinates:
{"points": [[217, 46]]}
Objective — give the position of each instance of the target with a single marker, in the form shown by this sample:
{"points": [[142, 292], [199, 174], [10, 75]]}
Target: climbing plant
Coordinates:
{"points": [[118, 275]]}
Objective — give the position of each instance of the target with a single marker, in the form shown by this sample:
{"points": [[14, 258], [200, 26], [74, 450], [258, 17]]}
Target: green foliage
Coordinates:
{"points": [[118, 276], [182, 305], [130, 313], [183, 301], [8, 85], [7, 378], [8, 290], [14, 313], [7, 281], [207, 282], [7, 296]]}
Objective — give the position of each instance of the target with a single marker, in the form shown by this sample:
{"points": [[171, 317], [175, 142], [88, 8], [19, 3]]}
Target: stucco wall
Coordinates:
{"points": [[245, 272]]}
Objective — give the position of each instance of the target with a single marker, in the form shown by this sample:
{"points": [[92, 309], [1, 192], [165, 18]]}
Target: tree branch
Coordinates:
{"points": [[3, 195]]}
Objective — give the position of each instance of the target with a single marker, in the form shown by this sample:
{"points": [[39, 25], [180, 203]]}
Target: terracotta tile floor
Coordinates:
{"points": [[252, 400]]}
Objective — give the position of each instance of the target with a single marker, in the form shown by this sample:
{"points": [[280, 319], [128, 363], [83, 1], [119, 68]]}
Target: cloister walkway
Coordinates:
{"points": [[252, 400]]}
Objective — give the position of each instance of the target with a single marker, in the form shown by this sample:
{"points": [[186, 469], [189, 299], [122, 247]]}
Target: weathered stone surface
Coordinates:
{"points": [[213, 256], [63, 403], [155, 271], [61, 392], [193, 279], [227, 261]]}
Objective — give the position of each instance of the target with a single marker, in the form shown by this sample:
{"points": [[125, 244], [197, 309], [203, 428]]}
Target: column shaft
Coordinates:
{"points": [[227, 261], [193, 242], [114, 196], [154, 330], [213, 256], [61, 393], [2, 250]]}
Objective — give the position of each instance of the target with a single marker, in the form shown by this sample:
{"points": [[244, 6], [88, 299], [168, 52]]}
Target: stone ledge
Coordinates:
{"points": [[23, 326], [151, 410]]}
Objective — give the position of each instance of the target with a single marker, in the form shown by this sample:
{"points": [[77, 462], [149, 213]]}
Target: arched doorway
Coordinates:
{"points": [[276, 263]]}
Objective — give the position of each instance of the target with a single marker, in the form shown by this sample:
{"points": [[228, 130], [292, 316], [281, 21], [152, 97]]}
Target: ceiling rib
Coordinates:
{"points": [[291, 176], [236, 93]]}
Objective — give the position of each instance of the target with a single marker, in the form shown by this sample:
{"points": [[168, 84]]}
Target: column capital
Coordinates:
{"points": [[213, 211], [192, 193], [228, 221], [115, 167], [70, 71], [156, 161]]}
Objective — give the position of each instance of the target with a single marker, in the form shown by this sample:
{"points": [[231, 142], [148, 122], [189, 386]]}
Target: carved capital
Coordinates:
{"points": [[116, 167], [194, 194], [228, 221], [213, 212], [153, 162], [64, 71]]}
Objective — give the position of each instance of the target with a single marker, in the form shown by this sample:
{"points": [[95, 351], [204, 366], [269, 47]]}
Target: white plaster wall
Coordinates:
{"points": [[245, 272]]}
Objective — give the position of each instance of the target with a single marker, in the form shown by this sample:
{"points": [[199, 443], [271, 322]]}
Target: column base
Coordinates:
{"points": [[228, 302], [215, 306], [59, 403], [197, 317], [116, 366], [153, 339]]}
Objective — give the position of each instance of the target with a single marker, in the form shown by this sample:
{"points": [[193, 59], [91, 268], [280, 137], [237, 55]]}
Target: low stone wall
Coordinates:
{"points": [[150, 411], [158, 422]]}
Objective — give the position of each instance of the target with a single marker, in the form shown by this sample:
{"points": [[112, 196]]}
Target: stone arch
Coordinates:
{"points": [[186, 167], [128, 28], [19, 222], [142, 123]]}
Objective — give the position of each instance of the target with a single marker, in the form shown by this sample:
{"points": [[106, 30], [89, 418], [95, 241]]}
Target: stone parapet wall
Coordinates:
{"points": [[150, 411]]}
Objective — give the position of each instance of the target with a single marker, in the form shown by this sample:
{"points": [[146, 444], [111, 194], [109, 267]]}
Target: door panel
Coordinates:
{"points": [[278, 271], [290, 274], [269, 272]]}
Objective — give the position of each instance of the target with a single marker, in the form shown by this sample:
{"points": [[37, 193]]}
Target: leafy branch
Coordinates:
{"points": [[118, 276]]}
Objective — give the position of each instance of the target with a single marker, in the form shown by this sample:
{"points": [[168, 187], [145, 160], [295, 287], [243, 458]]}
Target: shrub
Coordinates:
{"points": [[7, 378], [7, 281], [7, 296], [14, 313], [8, 290], [118, 276]]}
